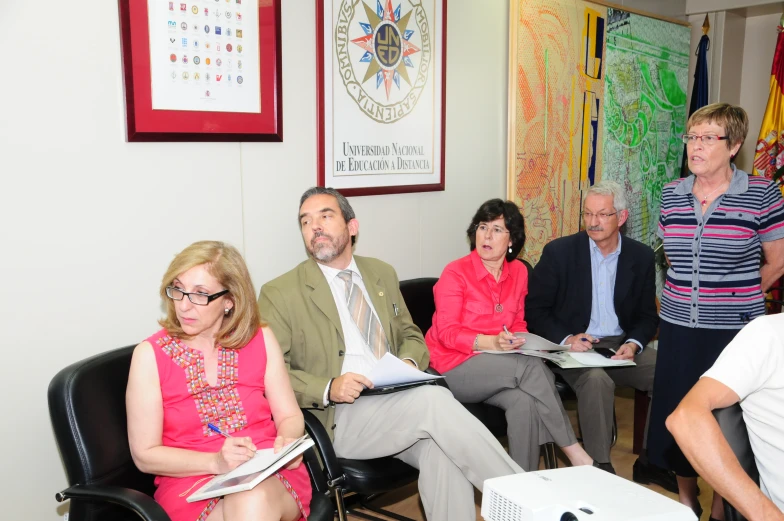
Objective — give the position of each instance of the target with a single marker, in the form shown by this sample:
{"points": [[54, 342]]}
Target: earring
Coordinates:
{"points": [[226, 311], [510, 249]]}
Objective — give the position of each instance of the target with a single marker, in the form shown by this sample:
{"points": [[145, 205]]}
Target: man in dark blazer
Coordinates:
{"points": [[334, 316], [596, 288]]}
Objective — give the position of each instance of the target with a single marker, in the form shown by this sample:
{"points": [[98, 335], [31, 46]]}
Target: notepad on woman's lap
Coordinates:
{"points": [[264, 464]]}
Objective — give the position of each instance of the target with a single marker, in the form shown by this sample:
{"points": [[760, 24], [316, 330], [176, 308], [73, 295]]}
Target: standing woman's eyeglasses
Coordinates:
{"points": [[708, 140]]}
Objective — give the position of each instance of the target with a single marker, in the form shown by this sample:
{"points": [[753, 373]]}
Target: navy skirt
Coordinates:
{"points": [[684, 354]]}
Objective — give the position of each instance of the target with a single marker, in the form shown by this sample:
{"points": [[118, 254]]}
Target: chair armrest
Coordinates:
{"points": [[733, 427], [324, 447], [440, 381], [143, 505]]}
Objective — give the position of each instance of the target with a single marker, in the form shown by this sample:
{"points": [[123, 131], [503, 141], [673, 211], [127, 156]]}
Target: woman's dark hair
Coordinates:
{"points": [[513, 219]]}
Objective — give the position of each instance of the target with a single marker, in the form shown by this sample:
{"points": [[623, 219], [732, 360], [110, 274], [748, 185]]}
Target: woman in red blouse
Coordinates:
{"points": [[476, 297]]}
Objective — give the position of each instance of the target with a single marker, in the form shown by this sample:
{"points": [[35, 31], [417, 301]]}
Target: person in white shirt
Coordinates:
{"points": [[335, 315], [750, 370]]}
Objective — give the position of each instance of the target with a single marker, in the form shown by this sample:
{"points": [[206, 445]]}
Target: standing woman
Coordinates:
{"points": [[715, 224]]}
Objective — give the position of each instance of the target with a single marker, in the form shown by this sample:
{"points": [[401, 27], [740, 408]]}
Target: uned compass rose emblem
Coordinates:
{"points": [[384, 56]]}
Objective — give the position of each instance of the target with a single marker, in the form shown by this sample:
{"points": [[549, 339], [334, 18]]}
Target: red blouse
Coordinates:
{"points": [[468, 300]]}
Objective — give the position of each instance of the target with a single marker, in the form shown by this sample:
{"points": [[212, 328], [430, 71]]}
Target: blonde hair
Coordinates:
{"points": [[730, 117], [224, 263]]}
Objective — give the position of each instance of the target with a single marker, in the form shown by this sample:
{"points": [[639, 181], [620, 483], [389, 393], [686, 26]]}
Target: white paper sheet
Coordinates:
{"points": [[590, 359], [537, 343], [239, 480], [547, 355], [391, 370], [263, 459], [204, 56]]}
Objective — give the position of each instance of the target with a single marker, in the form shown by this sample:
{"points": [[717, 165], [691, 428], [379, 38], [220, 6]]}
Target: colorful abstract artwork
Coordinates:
{"points": [[595, 93], [645, 112], [557, 86]]}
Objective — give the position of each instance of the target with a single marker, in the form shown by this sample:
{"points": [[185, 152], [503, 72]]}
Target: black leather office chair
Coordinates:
{"points": [[734, 429], [357, 482], [87, 410], [418, 294]]}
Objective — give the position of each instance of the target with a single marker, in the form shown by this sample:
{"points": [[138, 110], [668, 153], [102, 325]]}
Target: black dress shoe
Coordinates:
{"points": [[607, 467], [645, 473]]}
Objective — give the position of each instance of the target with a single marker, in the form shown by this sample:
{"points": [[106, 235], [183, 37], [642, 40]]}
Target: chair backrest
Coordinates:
{"points": [[87, 410], [733, 427], [527, 266], [418, 294]]}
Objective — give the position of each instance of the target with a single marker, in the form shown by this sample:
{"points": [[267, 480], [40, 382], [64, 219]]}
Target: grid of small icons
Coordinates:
{"points": [[206, 42]]}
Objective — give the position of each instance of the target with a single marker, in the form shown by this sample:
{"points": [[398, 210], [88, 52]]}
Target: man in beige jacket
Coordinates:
{"points": [[334, 315]]}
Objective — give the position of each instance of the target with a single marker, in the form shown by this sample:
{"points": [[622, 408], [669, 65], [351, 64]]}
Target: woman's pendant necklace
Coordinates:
{"points": [[704, 198], [498, 307]]}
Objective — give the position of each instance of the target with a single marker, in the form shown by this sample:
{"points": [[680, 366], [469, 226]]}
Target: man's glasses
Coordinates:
{"points": [[492, 230], [200, 299], [708, 140], [601, 216]]}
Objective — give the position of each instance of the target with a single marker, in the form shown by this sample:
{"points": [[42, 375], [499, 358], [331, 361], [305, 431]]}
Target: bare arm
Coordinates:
{"points": [[277, 387], [144, 407], [701, 440], [774, 263]]}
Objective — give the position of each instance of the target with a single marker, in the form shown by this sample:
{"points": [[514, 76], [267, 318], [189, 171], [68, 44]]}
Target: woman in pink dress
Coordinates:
{"points": [[215, 363]]}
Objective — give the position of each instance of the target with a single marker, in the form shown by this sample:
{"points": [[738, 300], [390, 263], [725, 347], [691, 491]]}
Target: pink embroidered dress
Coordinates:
{"points": [[237, 404]]}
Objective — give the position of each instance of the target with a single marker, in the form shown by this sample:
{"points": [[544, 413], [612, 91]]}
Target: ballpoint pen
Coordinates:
{"points": [[507, 332], [216, 429]]}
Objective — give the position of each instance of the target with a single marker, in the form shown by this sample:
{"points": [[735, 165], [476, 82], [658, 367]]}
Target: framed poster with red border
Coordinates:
{"points": [[381, 73], [202, 70]]}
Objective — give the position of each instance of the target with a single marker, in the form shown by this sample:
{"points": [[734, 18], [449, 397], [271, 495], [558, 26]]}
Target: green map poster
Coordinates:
{"points": [[645, 112]]}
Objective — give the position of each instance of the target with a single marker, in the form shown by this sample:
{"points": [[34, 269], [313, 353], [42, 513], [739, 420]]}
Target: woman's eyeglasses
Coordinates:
{"points": [[492, 230], [708, 140], [200, 299]]}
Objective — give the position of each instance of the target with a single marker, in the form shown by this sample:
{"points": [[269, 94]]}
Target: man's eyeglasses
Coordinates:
{"points": [[708, 140], [200, 299], [601, 216], [494, 230]]}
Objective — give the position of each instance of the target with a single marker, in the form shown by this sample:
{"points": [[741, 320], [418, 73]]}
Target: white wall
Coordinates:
{"points": [[90, 222], [758, 48], [705, 6], [670, 8]]}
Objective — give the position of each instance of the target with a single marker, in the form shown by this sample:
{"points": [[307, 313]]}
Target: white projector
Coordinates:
{"points": [[576, 494]]}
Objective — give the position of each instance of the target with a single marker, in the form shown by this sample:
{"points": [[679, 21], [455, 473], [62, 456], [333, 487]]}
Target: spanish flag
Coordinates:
{"points": [[769, 156]]}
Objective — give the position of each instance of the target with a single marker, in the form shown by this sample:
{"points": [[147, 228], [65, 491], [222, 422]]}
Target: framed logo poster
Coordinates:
{"points": [[381, 70], [202, 70]]}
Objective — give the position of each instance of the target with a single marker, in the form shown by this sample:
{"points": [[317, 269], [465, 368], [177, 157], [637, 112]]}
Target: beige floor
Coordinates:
{"points": [[406, 501]]}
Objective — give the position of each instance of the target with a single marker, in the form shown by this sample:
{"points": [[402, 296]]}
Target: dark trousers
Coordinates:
{"points": [[685, 353], [595, 390]]}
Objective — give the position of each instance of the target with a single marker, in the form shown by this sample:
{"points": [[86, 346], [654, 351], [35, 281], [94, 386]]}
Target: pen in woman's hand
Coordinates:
{"points": [[507, 332], [216, 429]]}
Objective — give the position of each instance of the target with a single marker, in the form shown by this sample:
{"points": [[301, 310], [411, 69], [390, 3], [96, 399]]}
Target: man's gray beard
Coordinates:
{"points": [[328, 254]]}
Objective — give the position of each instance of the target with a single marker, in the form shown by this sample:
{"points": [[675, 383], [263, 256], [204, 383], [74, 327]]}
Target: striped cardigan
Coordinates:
{"points": [[714, 275]]}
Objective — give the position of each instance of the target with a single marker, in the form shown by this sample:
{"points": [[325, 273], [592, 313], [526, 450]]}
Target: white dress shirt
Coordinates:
{"points": [[358, 357]]}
